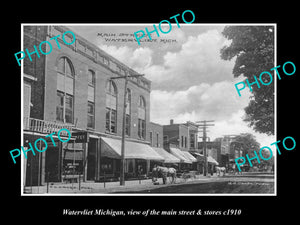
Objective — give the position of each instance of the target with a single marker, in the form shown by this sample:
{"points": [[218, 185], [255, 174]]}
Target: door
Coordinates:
{"points": [[91, 159]]}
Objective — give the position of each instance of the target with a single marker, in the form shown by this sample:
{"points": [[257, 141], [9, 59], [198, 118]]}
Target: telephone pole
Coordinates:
{"points": [[122, 166], [204, 124]]}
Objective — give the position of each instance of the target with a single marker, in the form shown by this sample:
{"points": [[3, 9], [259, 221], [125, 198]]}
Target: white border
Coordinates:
{"points": [[152, 194]]}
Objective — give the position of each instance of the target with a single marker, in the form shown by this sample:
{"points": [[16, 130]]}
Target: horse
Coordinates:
{"points": [[164, 172], [172, 174], [220, 169]]}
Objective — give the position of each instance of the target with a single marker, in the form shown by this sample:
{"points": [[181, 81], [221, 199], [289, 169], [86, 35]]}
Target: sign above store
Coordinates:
{"points": [[81, 136]]}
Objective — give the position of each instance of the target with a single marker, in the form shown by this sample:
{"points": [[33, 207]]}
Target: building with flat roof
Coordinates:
{"points": [[180, 139], [71, 87]]}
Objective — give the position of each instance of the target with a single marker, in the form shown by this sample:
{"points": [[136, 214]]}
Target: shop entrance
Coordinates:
{"points": [[92, 159], [53, 164]]}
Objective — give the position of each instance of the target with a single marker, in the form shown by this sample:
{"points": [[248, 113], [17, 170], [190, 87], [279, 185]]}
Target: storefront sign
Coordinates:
{"points": [[81, 136]]}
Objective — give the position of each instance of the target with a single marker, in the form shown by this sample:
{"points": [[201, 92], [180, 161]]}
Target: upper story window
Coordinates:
{"points": [[91, 78], [142, 117], [111, 107], [151, 138], [91, 99], [65, 91], [128, 111], [192, 140], [65, 67]]}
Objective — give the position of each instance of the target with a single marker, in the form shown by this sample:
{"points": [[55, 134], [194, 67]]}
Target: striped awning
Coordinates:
{"points": [[169, 158], [212, 160], [200, 158], [189, 156], [180, 155], [111, 148]]}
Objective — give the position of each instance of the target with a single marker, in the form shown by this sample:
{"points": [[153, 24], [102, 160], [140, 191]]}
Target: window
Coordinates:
{"points": [[91, 115], [142, 118], [127, 125], [91, 99], [69, 109], [192, 140], [128, 110], [151, 138], [166, 138], [111, 107], [182, 141], [185, 142], [157, 145], [91, 78], [60, 106], [65, 91]]}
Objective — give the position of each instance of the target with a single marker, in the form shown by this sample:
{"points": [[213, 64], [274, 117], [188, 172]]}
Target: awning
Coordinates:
{"points": [[180, 155], [200, 158], [112, 149], [169, 158], [189, 156], [71, 155], [212, 160], [197, 154]]}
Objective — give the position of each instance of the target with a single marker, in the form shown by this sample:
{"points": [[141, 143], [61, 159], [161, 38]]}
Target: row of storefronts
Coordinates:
{"points": [[97, 157]]}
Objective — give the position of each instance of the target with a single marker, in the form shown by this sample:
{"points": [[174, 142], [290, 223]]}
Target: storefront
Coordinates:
{"points": [[138, 157], [47, 166], [169, 159], [185, 163]]}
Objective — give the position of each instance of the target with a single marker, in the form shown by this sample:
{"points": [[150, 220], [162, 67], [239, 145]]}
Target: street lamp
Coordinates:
{"points": [[122, 166]]}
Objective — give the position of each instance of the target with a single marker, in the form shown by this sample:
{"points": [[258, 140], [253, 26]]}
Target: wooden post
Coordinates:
{"points": [[85, 145]]}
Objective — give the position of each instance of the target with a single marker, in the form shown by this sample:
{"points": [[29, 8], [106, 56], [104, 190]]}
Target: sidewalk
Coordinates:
{"points": [[108, 187]]}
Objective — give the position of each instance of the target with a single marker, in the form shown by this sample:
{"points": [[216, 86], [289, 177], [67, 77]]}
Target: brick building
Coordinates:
{"points": [[157, 143], [180, 139], [223, 149], [70, 87]]}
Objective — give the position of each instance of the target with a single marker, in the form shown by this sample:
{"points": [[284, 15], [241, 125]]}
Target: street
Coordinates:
{"points": [[229, 184]]}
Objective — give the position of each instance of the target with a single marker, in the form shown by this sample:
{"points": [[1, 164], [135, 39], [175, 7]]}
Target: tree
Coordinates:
{"points": [[253, 50], [247, 142]]}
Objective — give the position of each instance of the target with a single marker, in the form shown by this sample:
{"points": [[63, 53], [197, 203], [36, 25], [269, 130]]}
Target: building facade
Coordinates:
{"points": [[181, 139], [71, 87]]}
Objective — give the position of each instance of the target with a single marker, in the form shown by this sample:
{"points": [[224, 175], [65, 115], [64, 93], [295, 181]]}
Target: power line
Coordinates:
{"points": [[204, 124], [122, 166]]}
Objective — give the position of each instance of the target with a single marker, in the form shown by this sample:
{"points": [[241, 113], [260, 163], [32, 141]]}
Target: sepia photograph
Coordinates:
{"points": [[144, 109]]}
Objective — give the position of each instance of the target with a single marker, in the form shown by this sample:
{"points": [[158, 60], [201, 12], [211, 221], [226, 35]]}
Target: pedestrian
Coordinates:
{"points": [[155, 175]]}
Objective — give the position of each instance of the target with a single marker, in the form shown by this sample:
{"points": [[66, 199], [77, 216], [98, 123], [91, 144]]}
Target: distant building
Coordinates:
{"points": [[227, 149], [157, 143], [180, 139]]}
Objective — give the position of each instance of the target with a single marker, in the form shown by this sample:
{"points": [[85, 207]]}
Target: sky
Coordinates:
{"points": [[189, 80]]}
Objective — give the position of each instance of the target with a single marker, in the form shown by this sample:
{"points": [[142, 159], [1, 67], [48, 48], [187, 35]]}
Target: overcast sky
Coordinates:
{"points": [[190, 82]]}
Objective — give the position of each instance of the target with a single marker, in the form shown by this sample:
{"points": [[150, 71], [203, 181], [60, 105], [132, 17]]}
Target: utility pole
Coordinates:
{"points": [[204, 124], [122, 166]]}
